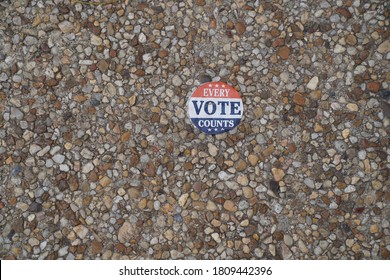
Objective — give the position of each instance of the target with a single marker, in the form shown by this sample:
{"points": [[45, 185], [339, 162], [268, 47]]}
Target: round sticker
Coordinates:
{"points": [[215, 108]]}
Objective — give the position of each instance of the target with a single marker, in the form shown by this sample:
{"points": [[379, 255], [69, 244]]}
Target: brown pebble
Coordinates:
{"points": [[351, 40], [125, 136], [96, 247], [51, 83], [150, 169], [344, 12], [230, 206], [299, 99], [229, 25], [102, 65], [284, 52], [163, 53], [240, 28], [374, 86], [240, 165]]}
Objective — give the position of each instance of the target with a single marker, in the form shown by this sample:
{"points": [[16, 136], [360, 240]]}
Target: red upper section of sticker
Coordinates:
{"points": [[215, 90]]}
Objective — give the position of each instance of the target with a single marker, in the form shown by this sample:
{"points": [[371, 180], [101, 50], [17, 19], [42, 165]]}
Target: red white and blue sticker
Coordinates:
{"points": [[215, 108]]}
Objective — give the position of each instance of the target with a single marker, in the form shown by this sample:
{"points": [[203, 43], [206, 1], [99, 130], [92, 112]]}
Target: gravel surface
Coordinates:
{"points": [[98, 159]]}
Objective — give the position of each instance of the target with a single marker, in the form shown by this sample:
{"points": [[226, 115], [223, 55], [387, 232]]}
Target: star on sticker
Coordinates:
{"points": [[209, 129], [210, 85], [222, 129], [223, 86], [215, 129], [216, 85]]}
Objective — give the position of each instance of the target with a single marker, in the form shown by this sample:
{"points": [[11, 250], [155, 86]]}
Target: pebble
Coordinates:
{"points": [[100, 160], [309, 182], [81, 231], [230, 206], [225, 176], [16, 114], [66, 26], [105, 181], [384, 47], [278, 174], [312, 84], [352, 107], [126, 231], [340, 146], [177, 81], [58, 158]]}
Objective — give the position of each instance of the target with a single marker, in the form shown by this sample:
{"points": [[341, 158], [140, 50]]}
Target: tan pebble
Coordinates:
{"points": [[230, 206], [169, 234], [318, 128], [244, 223], [278, 174], [37, 20], [345, 133], [377, 185], [198, 205], [248, 192], [351, 40], [240, 165], [253, 159], [68, 146], [384, 47], [243, 180], [125, 136], [211, 206], [125, 232], [105, 181], [316, 94], [268, 151], [258, 112], [356, 248], [79, 98], [142, 203], [132, 100], [183, 199], [352, 107], [374, 228]]}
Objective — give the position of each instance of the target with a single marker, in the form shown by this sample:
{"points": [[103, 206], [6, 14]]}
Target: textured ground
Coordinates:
{"points": [[98, 158]]}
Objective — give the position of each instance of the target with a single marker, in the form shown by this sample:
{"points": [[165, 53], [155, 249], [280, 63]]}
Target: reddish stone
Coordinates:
{"points": [[96, 247], [51, 83], [278, 42], [374, 86], [150, 169], [292, 148], [112, 53], [299, 99], [163, 53], [344, 12], [284, 52]]}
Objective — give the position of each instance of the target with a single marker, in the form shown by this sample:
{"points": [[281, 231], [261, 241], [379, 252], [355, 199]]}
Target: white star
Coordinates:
{"points": [[209, 129], [222, 128], [216, 85], [210, 85], [223, 86], [216, 129]]}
